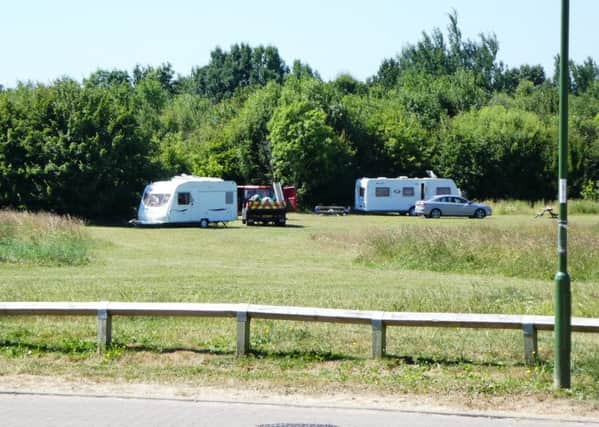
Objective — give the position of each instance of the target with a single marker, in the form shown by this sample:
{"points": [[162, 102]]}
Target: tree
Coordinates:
{"points": [[511, 78], [299, 70], [584, 75], [433, 56], [583, 146], [345, 84], [387, 74], [163, 74], [107, 78], [498, 153], [405, 144], [252, 136], [434, 98], [242, 66], [72, 150], [307, 152]]}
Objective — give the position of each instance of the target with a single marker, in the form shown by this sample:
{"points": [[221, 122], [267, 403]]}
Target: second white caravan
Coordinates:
{"points": [[188, 199], [399, 194]]}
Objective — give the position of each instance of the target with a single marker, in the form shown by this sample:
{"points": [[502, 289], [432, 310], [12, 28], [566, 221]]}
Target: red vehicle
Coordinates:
{"points": [[245, 192]]}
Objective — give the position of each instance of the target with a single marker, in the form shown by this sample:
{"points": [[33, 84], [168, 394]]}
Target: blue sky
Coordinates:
{"points": [[44, 40]]}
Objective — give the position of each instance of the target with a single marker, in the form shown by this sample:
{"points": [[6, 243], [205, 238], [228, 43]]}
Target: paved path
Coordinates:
{"points": [[29, 410]]}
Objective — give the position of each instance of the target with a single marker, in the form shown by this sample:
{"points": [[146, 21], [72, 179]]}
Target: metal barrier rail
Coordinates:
{"points": [[243, 313]]}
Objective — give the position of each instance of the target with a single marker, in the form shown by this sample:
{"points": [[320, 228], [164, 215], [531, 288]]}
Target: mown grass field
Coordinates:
{"points": [[503, 264]]}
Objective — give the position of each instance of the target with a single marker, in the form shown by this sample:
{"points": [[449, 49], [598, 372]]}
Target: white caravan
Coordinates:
{"points": [[399, 194], [188, 199]]}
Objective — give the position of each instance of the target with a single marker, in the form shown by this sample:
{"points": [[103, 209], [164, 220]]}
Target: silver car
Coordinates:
{"points": [[451, 206]]}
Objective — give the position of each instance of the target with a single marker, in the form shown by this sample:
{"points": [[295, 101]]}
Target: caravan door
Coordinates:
{"points": [[182, 207]]}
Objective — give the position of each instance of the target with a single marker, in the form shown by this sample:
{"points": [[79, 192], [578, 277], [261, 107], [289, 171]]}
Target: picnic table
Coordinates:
{"points": [[547, 209]]}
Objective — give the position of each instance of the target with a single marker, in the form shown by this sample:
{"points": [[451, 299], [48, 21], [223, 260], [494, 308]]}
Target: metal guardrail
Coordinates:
{"points": [[244, 313]]}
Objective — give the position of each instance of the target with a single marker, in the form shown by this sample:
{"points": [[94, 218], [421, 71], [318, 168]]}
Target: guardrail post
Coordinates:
{"points": [[531, 346], [104, 329], [243, 333], [379, 338]]}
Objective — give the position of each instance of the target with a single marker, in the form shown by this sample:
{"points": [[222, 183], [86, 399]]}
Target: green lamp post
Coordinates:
{"points": [[562, 278]]}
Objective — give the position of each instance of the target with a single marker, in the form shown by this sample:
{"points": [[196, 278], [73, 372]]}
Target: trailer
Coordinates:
{"points": [[265, 209], [399, 194], [188, 200], [264, 212], [246, 192]]}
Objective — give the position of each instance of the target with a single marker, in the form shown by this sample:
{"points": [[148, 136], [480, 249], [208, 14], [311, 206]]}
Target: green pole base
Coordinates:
{"points": [[561, 377]]}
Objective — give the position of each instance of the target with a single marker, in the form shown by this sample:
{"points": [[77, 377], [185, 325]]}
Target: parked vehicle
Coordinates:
{"points": [[245, 192], [188, 199], [265, 209], [451, 206], [399, 194]]}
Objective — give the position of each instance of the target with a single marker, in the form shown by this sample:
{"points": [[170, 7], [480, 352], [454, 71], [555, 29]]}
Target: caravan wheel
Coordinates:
{"points": [[204, 223], [412, 211]]}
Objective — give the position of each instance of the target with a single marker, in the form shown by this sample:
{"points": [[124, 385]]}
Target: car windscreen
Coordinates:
{"points": [[153, 200]]}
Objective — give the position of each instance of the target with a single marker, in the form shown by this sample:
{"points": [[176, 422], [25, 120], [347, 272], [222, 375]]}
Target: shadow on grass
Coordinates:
{"points": [[81, 347], [192, 226], [212, 226], [170, 350], [307, 356], [393, 359]]}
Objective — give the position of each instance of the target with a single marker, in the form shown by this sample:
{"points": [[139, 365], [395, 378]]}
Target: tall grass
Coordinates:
{"points": [[583, 207], [42, 238], [521, 207], [526, 252]]}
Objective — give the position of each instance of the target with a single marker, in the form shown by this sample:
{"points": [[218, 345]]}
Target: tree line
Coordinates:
{"points": [[444, 103]]}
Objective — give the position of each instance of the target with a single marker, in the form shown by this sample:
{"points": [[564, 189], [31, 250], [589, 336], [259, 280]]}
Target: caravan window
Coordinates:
{"points": [[408, 191], [362, 190], [183, 198], [443, 190], [153, 200], [382, 191], [229, 197]]}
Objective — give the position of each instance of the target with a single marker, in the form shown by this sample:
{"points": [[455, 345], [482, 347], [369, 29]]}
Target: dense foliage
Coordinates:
{"points": [[445, 104]]}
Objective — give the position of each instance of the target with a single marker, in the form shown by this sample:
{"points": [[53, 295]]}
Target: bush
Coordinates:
{"points": [[591, 191]]}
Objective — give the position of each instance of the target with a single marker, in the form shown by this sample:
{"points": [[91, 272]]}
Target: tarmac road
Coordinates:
{"points": [[27, 410]]}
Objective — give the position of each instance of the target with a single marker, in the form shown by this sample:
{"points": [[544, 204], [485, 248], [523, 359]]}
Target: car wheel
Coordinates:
{"points": [[412, 211], [435, 213], [204, 223], [480, 213]]}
